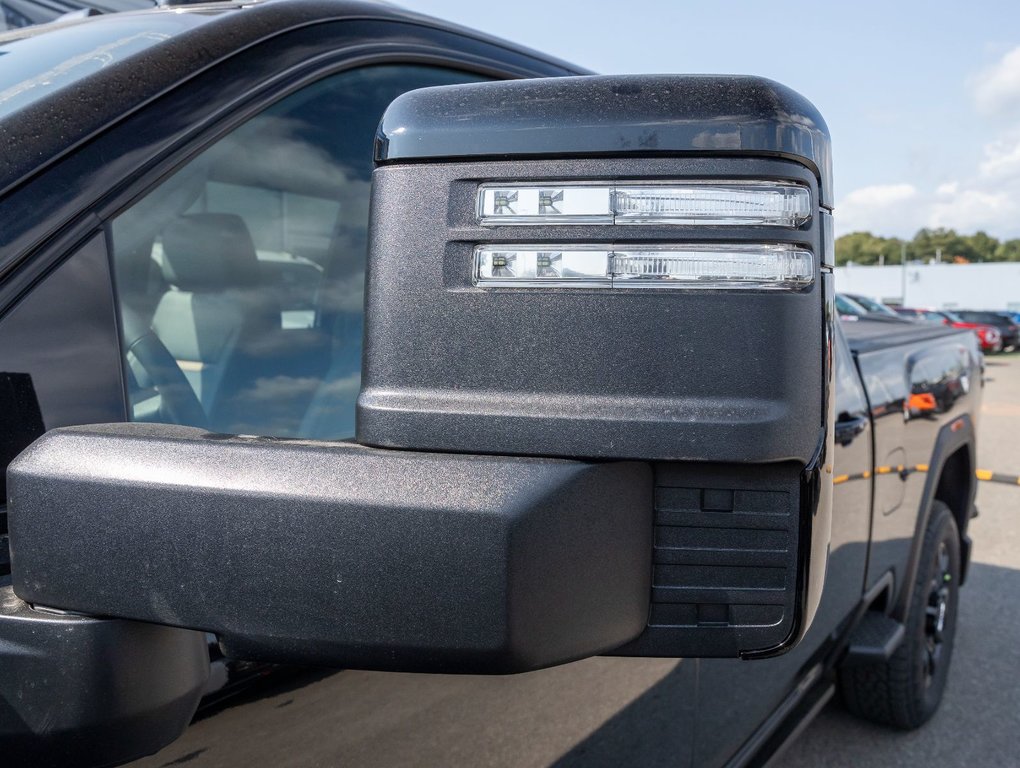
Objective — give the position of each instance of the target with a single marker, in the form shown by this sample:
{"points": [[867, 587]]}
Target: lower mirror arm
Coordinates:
{"points": [[336, 554]]}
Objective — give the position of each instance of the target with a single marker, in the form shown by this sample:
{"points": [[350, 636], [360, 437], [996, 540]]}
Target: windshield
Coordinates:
{"points": [[951, 316], [991, 318], [872, 306], [37, 62], [847, 306]]}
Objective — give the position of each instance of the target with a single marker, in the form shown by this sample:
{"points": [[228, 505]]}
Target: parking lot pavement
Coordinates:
{"points": [[980, 715]]}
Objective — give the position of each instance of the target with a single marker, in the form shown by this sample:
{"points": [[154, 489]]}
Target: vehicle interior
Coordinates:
{"points": [[247, 266]]}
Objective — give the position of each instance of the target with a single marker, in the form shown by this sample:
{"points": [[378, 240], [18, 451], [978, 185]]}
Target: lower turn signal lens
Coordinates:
{"points": [[721, 267]]}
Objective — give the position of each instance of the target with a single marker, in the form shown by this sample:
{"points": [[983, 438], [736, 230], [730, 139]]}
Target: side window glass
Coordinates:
{"points": [[240, 279], [59, 363]]}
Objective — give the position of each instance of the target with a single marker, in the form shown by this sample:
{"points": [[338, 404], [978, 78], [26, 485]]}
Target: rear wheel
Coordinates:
{"points": [[906, 690]]}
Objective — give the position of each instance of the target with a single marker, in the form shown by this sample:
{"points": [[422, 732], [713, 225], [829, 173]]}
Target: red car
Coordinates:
{"points": [[990, 336]]}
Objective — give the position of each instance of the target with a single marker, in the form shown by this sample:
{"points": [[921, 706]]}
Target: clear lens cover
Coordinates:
{"points": [[714, 266], [562, 265], [784, 205], [564, 204], [726, 266], [721, 203]]}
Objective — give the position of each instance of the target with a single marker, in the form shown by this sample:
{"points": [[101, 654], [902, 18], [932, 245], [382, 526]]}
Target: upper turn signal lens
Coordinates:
{"points": [[722, 203]]}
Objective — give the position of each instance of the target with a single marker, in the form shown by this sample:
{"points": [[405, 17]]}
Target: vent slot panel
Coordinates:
{"points": [[724, 560], [722, 557]]}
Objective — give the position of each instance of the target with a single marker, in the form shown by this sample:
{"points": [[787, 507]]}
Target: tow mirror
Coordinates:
{"points": [[595, 413], [623, 269]]}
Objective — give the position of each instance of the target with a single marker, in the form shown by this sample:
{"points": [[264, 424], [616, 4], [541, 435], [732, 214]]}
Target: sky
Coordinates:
{"points": [[922, 98]]}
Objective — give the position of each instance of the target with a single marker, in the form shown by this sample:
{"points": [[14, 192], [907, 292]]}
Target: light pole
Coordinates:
{"points": [[903, 274]]}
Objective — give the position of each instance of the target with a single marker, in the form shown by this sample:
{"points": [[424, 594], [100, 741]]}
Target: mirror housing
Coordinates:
{"points": [[721, 380], [545, 472]]}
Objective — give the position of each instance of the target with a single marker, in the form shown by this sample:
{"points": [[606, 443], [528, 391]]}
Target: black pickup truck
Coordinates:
{"points": [[572, 386]]}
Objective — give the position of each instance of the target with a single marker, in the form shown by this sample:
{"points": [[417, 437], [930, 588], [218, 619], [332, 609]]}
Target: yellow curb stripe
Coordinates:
{"points": [[986, 475]]}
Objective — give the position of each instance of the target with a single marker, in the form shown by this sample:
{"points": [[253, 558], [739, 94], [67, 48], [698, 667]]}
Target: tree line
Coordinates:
{"points": [[866, 248]]}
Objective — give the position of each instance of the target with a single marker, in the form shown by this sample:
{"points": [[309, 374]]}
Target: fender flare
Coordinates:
{"points": [[951, 438]]}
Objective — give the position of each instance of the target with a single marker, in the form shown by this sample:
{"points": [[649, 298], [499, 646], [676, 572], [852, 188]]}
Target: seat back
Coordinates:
{"points": [[214, 301]]}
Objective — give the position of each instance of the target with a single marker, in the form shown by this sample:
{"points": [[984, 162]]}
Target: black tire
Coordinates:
{"points": [[905, 691]]}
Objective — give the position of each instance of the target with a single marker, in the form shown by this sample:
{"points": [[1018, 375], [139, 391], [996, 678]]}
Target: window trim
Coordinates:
{"points": [[235, 114]]}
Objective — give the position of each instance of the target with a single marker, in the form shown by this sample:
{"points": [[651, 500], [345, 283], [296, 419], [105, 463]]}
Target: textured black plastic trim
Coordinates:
{"points": [[621, 115], [875, 639], [21, 420], [336, 554], [707, 375], [726, 560], [77, 690]]}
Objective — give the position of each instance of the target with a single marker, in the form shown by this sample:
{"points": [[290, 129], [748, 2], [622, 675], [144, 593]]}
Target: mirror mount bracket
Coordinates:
{"points": [[334, 553], [73, 685]]}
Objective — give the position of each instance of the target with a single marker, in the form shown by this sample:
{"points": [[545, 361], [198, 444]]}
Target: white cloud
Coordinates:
{"points": [[882, 194], [880, 209], [997, 89], [988, 199], [972, 209], [1002, 158]]}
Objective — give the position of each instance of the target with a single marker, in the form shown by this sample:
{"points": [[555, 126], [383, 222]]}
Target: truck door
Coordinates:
{"points": [[737, 719]]}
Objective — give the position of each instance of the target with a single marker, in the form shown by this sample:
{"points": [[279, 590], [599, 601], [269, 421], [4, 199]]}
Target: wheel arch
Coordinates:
{"points": [[956, 487], [951, 480]]}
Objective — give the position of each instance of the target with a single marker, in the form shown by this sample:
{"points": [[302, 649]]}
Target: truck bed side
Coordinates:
{"points": [[924, 387]]}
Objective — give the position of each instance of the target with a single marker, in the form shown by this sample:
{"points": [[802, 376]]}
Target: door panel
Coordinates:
{"points": [[909, 407], [734, 697], [597, 712]]}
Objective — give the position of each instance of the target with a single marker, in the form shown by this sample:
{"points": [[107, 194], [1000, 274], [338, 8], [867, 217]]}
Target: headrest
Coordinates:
{"points": [[208, 252]]}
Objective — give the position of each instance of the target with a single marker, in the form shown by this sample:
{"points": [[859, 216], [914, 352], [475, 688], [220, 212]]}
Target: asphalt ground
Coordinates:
{"points": [[631, 712], [978, 723]]}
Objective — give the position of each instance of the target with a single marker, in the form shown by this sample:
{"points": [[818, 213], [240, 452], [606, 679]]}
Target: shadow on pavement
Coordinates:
{"points": [[979, 719]]}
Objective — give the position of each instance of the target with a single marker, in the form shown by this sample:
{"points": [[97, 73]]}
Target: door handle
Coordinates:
{"points": [[849, 427]]}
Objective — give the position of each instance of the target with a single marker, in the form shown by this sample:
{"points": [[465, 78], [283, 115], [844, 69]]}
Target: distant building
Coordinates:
{"points": [[937, 286]]}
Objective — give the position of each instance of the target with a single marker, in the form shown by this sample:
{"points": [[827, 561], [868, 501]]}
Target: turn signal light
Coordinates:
{"points": [[724, 266], [718, 203]]}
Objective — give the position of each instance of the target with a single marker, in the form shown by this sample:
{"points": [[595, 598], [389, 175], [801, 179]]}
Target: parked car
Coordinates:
{"points": [[919, 315], [923, 315], [849, 309], [989, 335], [872, 305], [1008, 327], [460, 433]]}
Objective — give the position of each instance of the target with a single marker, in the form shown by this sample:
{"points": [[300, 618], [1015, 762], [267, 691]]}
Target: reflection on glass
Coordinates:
{"points": [[247, 267], [937, 381]]}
